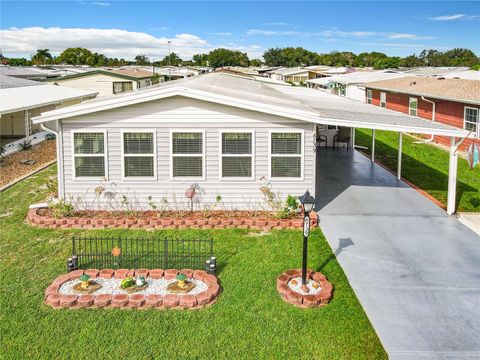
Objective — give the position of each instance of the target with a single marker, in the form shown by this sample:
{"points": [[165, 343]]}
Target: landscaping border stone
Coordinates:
{"points": [[35, 219], [133, 301], [304, 300]]}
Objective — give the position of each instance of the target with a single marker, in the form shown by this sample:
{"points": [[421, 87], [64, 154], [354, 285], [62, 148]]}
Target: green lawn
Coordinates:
{"points": [[249, 320], [425, 166]]}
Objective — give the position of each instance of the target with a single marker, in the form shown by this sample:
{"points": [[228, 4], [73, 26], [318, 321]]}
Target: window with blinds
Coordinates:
{"points": [[138, 154], [187, 154], [237, 155], [122, 86], [471, 120], [412, 106], [286, 155], [89, 154]]}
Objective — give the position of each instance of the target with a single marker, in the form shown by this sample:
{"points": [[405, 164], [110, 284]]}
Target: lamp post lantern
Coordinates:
{"points": [[308, 202]]}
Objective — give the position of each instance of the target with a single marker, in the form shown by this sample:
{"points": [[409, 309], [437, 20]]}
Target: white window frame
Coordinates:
{"points": [[383, 94], [204, 165], [221, 155], [369, 96], [302, 154], [104, 155], [477, 134], [123, 155], [410, 100]]}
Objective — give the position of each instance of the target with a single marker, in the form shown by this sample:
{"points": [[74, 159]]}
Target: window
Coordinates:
{"points": [[471, 121], [383, 99], [369, 96], [286, 155], [187, 154], [412, 106], [89, 154], [122, 86], [237, 154], [138, 154]]}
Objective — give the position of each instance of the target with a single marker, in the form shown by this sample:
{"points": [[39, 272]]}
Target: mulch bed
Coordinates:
{"points": [[55, 299], [43, 154]]}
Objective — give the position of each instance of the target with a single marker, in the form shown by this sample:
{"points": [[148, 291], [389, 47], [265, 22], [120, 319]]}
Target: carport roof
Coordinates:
{"points": [[245, 92]]}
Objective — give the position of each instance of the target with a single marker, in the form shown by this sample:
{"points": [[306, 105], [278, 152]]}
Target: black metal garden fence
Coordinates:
{"points": [[134, 253]]}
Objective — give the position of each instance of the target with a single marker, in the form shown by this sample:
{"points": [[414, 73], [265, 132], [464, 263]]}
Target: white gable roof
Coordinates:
{"points": [[247, 93]]}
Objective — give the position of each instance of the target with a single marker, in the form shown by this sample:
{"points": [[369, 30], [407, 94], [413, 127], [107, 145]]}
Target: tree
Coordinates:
{"points": [[387, 63], [172, 59], [225, 57], [74, 56], [18, 62], [475, 67], [368, 59], [432, 58], [41, 57], [200, 59], [411, 61], [256, 62], [274, 57], [460, 57], [142, 60]]}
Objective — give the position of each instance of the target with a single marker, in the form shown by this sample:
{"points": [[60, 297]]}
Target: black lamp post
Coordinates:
{"points": [[308, 202]]}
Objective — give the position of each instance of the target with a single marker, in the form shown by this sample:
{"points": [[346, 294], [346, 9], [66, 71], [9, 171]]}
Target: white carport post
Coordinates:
{"points": [[353, 138], [399, 166], [452, 177], [373, 145]]}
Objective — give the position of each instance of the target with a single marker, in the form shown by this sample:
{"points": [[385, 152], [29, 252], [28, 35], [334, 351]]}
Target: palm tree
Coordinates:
{"points": [[42, 56]]}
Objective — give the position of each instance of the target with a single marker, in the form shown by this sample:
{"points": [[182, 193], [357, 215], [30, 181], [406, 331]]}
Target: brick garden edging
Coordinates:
{"points": [[35, 219], [307, 300], [172, 301]]}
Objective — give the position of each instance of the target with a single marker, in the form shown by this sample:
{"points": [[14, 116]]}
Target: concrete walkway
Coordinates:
{"points": [[415, 270]]}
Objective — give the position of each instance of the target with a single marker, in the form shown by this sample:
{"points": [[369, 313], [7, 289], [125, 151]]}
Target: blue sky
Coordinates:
{"points": [[127, 28]]}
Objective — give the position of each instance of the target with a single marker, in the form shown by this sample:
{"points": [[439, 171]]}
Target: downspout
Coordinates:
{"points": [[59, 144], [433, 115]]}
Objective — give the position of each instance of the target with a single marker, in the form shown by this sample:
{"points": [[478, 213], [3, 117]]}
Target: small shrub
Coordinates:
{"points": [[62, 209], [290, 208], [26, 145]]}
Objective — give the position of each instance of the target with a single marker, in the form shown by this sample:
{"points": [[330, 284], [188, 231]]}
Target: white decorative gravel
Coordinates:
{"points": [[296, 288], [112, 286]]}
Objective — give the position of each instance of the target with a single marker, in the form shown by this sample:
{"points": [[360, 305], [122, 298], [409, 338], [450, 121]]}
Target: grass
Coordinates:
{"points": [[249, 320], [425, 166]]}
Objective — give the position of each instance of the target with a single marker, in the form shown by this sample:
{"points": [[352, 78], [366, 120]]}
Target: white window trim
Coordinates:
{"points": [[123, 155], [302, 154], [369, 96], [204, 165], [410, 100], [384, 93], [221, 155], [104, 155], [478, 119]]}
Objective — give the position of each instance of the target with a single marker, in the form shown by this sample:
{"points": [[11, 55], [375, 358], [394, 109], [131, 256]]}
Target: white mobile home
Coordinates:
{"points": [[229, 134]]}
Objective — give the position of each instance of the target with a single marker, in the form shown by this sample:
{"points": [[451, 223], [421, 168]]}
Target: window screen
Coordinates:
{"points": [[138, 154], [187, 154], [236, 155], [412, 106], [369, 96], [471, 120], [286, 155], [122, 86], [89, 154], [383, 99]]}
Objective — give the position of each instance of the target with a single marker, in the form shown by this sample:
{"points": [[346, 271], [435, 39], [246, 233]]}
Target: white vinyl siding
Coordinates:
{"points": [[471, 120], [138, 152], [383, 99], [369, 96], [89, 149], [236, 155], [187, 154], [180, 114], [286, 154], [413, 106]]}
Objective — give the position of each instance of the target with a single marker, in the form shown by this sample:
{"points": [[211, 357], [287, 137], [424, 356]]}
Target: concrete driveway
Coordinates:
{"points": [[415, 270]]}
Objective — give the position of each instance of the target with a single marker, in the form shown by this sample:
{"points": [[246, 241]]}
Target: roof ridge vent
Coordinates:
{"points": [[413, 83]]}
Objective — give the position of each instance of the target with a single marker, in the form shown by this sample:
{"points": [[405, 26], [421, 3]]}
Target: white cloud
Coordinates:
{"points": [[254, 32], [454, 17], [223, 34], [100, 3], [278, 23], [408, 36], [405, 45]]}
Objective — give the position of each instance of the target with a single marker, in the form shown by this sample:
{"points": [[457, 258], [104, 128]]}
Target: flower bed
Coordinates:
{"points": [[288, 287], [151, 220], [61, 293]]}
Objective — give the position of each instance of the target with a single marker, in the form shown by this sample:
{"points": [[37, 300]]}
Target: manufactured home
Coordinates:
{"points": [[231, 136]]}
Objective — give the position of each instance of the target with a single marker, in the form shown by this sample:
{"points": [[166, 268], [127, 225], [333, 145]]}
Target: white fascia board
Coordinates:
{"points": [[87, 108]]}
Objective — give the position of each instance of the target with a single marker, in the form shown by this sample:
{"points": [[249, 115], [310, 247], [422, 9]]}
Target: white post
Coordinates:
{"points": [[452, 177], [27, 125], [353, 138], [399, 166], [373, 145]]}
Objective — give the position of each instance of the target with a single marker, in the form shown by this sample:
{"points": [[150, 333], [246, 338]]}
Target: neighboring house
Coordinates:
{"points": [[454, 102], [107, 82], [295, 75], [175, 73], [28, 72], [22, 99], [237, 138], [433, 71], [352, 85]]}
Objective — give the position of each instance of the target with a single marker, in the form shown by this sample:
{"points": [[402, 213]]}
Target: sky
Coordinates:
{"points": [[124, 29]]}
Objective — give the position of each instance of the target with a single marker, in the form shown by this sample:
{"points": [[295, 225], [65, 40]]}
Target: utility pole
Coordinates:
{"points": [[169, 69]]}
